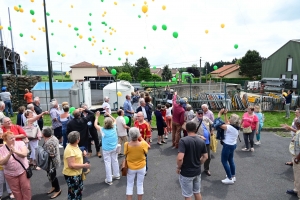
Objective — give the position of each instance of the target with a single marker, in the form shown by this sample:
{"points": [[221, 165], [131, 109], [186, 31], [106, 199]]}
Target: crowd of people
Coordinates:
{"points": [[192, 132]]}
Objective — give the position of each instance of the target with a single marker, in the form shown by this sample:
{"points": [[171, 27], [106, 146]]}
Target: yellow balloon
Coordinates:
{"points": [[106, 47], [33, 20], [94, 41], [133, 4], [25, 52], [104, 12], [31, 36], [21, 10], [105, 31], [92, 44], [222, 25], [1, 27], [126, 53], [115, 30], [32, 51], [80, 36], [102, 47], [164, 7], [109, 50], [93, 36], [34, 38], [146, 15], [93, 63], [39, 28], [144, 8], [103, 15], [67, 73], [16, 8], [72, 6], [131, 52], [119, 94], [102, 68], [69, 25], [32, 1], [60, 21], [110, 33], [115, 3], [206, 31], [145, 2], [44, 30]]}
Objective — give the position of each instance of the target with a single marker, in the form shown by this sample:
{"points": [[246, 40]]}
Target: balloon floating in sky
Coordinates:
{"points": [[32, 12], [32, 51], [90, 14], [144, 8], [9, 28], [139, 16], [58, 53], [206, 31], [174, 79], [145, 2], [115, 3], [52, 34], [21, 34], [32, 1], [236, 46], [16, 8], [80, 36], [126, 53], [222, 25], [103, 40], [1, 27], [113, 72], [133, 4], [115, 49], [25, 52], [48, 14], [215, 67], [33, 20], [52, 20], [164, 7], [72, 6], [175, 34], [21, 10], [131, 52], [91, 29], [119, 95], [60, 21], [164, 27], [77, 34], [75, 28], [89, 23], [119, 58], [154, 67], [144, 47], [154, 27], [102, 0], [20, 6], [90, 39], [69, 25], [75, 46]]}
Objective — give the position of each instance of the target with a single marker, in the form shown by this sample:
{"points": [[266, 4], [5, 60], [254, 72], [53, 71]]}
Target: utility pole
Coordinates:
{"points": [[62, 75], [2, 51], [12, 45], [200, 71], [48, 54]]}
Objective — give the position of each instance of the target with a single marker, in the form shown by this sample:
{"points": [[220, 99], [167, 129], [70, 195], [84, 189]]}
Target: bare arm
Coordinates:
{"points": [[22, 153], [114, 120], [73, 165], [203, 158], [96, 121], [180, 157], [37, 117]]}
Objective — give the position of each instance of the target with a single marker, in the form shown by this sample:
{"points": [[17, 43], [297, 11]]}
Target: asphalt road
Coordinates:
{"points": [[260, 175]]}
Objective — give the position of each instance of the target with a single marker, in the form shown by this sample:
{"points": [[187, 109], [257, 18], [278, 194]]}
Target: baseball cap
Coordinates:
{"points": [[3, 88], [182, 101], [200, 111]]}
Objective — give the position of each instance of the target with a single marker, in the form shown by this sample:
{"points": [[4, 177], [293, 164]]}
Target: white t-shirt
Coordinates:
{"points": [[5, 96], [120, 121], [231, 135], [168, 112], [105, 106], [144, 112]]}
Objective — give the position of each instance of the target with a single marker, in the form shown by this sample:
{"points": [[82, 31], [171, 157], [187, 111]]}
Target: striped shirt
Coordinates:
{"points": [[54, 114]]}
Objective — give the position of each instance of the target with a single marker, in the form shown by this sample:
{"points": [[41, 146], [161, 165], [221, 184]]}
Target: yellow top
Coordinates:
{"points": [[135, 155], [71, 151]]}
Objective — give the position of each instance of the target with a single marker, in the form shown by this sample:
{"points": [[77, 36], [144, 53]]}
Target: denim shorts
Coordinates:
{"points": [[190, 185]]}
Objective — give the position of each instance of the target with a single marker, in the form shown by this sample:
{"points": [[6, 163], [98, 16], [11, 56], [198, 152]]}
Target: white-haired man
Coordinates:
{"points": [[38, 110], [106, 106], [207, 113], [56, 124]]}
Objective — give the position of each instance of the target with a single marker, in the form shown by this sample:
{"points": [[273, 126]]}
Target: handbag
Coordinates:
{"points": [[164, 124], [51, 172], [28, 170], [213, 143], [31, 132], [124, 166], [247, 130]]}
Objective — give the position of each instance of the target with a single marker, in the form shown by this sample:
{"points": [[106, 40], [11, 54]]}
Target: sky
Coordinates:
{"points": [[258, 25]]}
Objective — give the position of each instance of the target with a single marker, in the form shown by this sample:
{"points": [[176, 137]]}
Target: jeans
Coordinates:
{"points": [[139, 181], [247, 137], [296, 170], [227, 157], [207, 162], [111, 161], [8, 106], [258, 134], [287, 110], [65, 137]]}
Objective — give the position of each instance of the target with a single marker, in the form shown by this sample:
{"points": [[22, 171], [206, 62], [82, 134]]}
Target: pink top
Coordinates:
{"points": [[178, 112], [13, 167], [209, 114], [250, 121]]}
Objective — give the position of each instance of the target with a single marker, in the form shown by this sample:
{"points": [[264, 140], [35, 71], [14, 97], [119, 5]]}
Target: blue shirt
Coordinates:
{"points": [[205, 134], [109, 138], [127, 106], [260, 118]]}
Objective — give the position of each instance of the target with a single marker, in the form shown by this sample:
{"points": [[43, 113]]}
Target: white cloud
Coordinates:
{"points": [[250, 24]]}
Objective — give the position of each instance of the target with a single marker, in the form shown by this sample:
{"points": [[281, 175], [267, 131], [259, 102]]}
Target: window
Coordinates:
{"points": [[283, 76], [289, 64]]}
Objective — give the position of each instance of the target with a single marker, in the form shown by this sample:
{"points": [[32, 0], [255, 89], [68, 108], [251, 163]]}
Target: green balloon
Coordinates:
{"points": [[175, 34], [164, 27], [21, 34], [139, 16], [91, 29], [154, 27], [58, 53], [174, 79], [90, 39], [126, 119], [115, 49], [103, 40], [20, 6], [76, 29], [52, 34], [154, 67], [144, 47], [119, 58], [48, 14], [215, 67], [109, 54], [90, 14], [71, 110], [75, 46], [9, 28], [102, 0], [103, 23], [236, 46], [52, 20], [32, 12], [113, 72], [100, 52], [89, 23], [77, 34]]}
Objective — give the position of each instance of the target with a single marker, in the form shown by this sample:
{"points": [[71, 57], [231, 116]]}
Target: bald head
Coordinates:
{"points": [[140, 116]]}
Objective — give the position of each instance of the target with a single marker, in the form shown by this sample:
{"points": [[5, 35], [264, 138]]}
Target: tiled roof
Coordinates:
{"points": [[102, 73], [226, 69], [84, 65], [159, 71]]}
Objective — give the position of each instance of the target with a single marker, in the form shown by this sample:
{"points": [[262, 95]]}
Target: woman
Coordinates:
{"points": [[169, 119], [231, 132], [260, 116], [13, 171], [64, 118], [249, 120], [135, 152], [109, 147], [31, 121], [159, 125], [51, 145], [73, 164], [21, 111]]}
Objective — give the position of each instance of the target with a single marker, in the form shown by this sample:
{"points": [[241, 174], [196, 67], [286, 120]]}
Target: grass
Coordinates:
{"points": [[272, 119], [45, 78]]}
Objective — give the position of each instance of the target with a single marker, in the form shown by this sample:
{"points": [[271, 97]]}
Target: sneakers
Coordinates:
{"points": [[252, 149], [116, 177], [150, 140], [60, 146], [233, 178], [257, 143], [227, 181], [108, 183], [245, 149]]}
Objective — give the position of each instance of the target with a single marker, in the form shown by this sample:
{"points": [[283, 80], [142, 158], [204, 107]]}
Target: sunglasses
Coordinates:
{"points": [[200, 113]]}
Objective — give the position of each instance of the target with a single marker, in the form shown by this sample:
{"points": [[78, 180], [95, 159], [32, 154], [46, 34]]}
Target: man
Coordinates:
{"points": [[2, 107], [80, 124], [207, 113], [144, 108], [121, 128], [169, 94], [38, 110], [143, 126], [93, 132], [127, 106], [6, 98], [288, 100], [178, 120], [28, 96], [18, 132], [189, 166], [204, 132], [106, 107], [56, 124]]}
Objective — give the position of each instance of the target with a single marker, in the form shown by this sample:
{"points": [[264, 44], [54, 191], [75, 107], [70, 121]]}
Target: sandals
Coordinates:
{"points": [[51, 191], [56, 195], [289, 163]]}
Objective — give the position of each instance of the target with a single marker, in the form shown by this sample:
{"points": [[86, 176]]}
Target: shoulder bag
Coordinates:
{"points": [[28, 170], [248, 129], [124, 166], [31, 132]]}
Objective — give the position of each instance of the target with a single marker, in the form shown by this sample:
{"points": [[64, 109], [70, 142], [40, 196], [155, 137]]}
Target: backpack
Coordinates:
{"points": [[42, 157]]}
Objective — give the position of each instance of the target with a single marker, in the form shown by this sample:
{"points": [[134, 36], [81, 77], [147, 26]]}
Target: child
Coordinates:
{"points": [[159, 125], [257, 112]]}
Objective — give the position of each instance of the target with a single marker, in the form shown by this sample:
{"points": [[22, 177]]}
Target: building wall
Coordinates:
{"points": [[234, 74], [80, 73], [277, 63]]}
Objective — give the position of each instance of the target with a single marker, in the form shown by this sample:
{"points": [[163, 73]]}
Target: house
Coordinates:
{"points": [[159, 71], [284, 63], [85, 69], [227, 71]]}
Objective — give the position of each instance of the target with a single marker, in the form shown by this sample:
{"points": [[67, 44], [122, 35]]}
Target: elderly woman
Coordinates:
{"points": [[73, 164], [231, 132], [109, 147], [249, 120], [51, 145], [14, 172], [31, 121], [135, 152]]}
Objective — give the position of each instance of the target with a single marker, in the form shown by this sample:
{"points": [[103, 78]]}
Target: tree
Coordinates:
{"points": [[144, 75], [124, 76], [194, 70], [142, 63], [156, 77], [250, 64], [166, 74]]}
